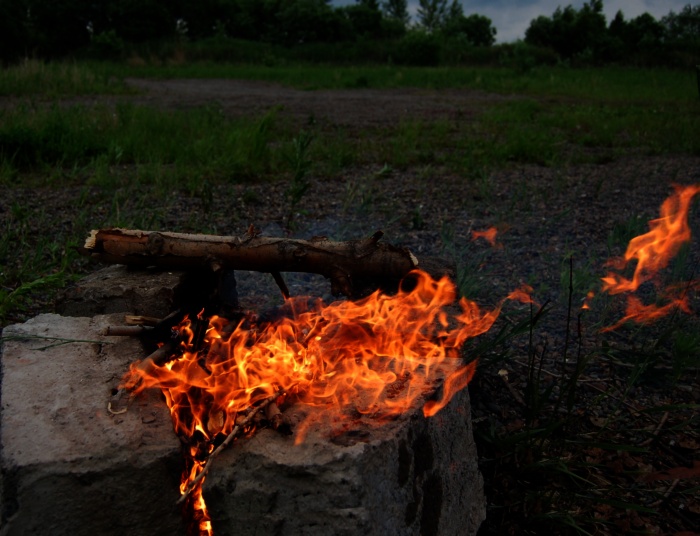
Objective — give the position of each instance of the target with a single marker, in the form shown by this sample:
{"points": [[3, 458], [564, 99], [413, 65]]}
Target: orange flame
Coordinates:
{"points": [[653, 251], [489, 235], [373, 357]]}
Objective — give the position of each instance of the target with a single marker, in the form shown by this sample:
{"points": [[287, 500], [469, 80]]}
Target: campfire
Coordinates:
{"points": [[368, 359], [365, 362]]}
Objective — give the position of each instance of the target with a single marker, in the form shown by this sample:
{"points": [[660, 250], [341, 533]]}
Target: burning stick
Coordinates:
{"points": [[236, 430], [163, 354], [157, 358], [277, 420], [140, 320]]}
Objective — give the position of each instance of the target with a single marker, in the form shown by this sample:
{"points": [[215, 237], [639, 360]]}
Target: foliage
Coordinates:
{"points": [[305, 21], [300, 164], [683, 26], [32, 77], [477, 29], [418, 48], [396, 10], [569, 31], [202, 142], [365, 19], [583, 36], [15, 39], [315, 30], [431, 14]]}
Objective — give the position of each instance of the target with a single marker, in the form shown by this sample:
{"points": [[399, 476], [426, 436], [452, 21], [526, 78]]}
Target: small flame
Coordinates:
{"points": [[200, 523], [373, 357], [588, 299], [653, 251], [489, 235]]}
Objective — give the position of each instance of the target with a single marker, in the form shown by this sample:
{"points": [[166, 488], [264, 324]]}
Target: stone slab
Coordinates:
{"points": [[119, 289], [413, 476], [69, 467]]}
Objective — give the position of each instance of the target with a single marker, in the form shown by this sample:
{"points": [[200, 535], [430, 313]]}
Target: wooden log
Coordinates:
{"points": [[344, 263]]}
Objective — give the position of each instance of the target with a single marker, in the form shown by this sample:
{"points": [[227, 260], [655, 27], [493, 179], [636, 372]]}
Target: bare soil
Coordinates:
{"points": [[544, 216], [341, 108]]}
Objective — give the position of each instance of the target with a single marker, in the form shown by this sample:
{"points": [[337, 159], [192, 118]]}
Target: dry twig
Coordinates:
{"points": [[236, 430]]}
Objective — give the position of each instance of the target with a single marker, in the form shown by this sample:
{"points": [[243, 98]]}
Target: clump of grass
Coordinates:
{"points": [[202, 141], [562, 455], [51, 80], [300, 164]]}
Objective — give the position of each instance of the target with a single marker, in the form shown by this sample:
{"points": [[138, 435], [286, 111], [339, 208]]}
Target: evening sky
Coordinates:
{"points": [[512, 17]]}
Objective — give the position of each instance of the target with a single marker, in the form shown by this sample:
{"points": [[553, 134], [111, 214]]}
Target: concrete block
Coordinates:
{"points": [[69, 467], [412, 476], [118, 289]]}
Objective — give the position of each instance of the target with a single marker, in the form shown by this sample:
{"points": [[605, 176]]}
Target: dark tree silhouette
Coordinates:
{"points": [[431, 14], [477, 29], [396, 10], [570, 32]]}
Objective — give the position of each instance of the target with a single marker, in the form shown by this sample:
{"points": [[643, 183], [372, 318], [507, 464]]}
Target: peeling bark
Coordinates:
{"points": [[344, 263]]}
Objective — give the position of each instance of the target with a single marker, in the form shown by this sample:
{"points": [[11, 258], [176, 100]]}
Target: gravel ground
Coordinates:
{"points": [[544, 217]]}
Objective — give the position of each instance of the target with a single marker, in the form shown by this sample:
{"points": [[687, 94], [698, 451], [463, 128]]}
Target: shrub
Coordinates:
{"points": [[418, 48]]}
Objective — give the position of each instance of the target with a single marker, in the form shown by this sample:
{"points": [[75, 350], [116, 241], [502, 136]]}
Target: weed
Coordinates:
{"points": [[34, 77], [685, 352], [623, 232], [576, 280], [300, 165], [15, 298]]}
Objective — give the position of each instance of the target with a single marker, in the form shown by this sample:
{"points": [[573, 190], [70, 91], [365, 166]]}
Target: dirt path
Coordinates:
{"points": [[352, 107]]}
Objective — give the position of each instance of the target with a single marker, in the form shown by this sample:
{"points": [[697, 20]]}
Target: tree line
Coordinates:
{"points": [[441, 32], [585, 35]]}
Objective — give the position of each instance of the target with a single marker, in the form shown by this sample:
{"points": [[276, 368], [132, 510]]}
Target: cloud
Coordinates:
{"points": [[512, 17]]}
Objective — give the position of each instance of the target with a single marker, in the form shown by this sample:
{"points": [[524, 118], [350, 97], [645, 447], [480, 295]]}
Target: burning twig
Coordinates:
{"points": [[277, 419], [164, 353], [236, 430], [140, 320]]}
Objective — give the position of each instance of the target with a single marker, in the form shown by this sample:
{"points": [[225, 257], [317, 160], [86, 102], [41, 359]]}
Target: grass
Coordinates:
{"points": [[568, 461], [571, 446], [551, 123], [625, 85], [33, 78], [200, 144], [574, 458]]}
